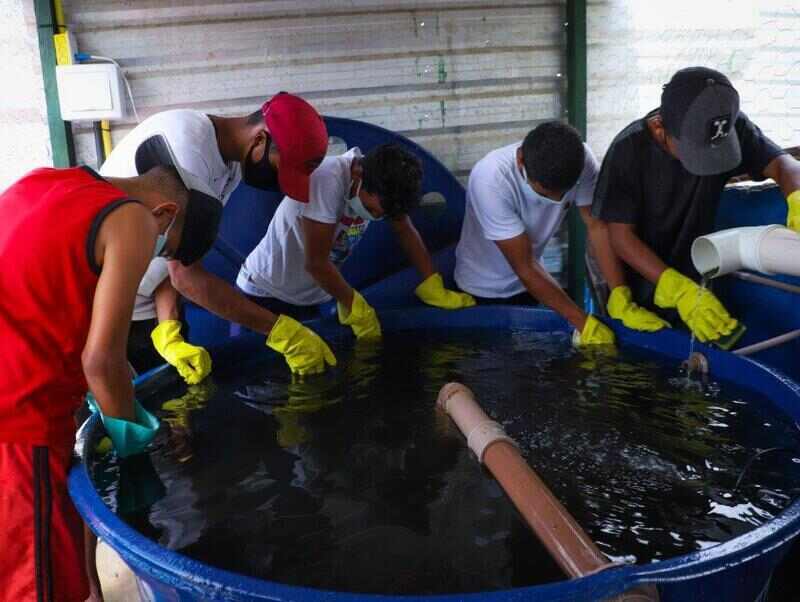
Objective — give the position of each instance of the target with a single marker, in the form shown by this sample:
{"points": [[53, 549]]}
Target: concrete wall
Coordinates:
{"points": [[24, 137]]}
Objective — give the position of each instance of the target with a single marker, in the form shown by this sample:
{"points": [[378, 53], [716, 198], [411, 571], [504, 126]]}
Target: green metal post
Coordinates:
{"points": [[60, 131], [576, 110]]}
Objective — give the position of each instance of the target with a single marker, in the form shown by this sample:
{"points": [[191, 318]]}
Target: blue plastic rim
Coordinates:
{"points": [[738, 569]]}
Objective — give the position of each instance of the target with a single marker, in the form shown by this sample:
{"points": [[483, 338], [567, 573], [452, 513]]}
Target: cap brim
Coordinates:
{"points": [[294, 183], [704, 160]]}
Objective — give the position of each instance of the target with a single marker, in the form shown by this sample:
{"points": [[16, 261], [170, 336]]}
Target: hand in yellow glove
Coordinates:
{"points": [[699, 308], [303, 349], [594, 333], [361, 318], [433, 292], [621, 307], [793, 215], [192, 362]]}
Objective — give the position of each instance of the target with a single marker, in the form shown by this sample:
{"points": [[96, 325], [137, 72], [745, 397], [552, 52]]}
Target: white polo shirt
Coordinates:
{"points": [[194, 142], [502, 205], [276, 267]]}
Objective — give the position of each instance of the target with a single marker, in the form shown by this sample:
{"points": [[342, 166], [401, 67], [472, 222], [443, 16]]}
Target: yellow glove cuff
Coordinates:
{"points": [[618, 301], [793, 215], [430, 288], [671, 286], [282, 332], [166, 333]]}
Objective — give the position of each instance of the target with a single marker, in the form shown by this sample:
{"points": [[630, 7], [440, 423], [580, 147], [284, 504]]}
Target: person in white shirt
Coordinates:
{"points": [[517, 197], [275, 148], [296, 264]]}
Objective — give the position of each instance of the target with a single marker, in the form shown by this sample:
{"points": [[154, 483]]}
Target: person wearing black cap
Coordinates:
{"points": [[79, 245], [274, 149], [659, 189]]}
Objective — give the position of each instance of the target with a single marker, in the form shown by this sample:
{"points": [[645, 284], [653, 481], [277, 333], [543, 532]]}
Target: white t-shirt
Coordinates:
{"points": [[276, 267], [502, 205], [194, 142]]}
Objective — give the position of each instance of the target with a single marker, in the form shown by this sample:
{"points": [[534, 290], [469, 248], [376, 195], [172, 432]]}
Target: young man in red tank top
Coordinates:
{"points": [[74, 247]]}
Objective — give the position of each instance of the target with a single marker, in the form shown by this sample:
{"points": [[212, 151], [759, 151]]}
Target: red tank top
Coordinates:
{"points": [[49, 223]]}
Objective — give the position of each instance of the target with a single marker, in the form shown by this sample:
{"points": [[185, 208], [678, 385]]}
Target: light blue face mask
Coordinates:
{"points": [[358, 207], [161, 239]]}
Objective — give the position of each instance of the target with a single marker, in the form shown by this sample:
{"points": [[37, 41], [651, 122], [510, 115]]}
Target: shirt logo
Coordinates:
{"points": [[719, 129]]}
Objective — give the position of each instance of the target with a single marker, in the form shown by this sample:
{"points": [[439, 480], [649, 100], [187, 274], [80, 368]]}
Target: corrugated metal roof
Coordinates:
{"points": [[459, 77]]}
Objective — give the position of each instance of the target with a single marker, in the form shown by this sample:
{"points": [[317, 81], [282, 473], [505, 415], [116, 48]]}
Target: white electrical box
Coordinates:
{"points": [[90, 92]]}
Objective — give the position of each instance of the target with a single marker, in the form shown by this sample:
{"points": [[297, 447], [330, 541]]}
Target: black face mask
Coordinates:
{"points": [[261, 175]]}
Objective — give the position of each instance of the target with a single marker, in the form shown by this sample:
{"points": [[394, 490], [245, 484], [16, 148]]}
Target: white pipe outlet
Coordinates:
{"points": [[766, 249]]}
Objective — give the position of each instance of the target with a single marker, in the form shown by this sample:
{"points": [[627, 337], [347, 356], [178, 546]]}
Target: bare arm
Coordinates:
{"points": [[600, 242], [217, 296], [629, 248], [166, 301], [413, 246], [318, 238], [124, 258], [785, 170], [537, 281]]}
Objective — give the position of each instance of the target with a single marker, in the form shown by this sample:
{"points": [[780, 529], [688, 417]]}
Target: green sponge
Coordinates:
{"points": [[727, 341]]}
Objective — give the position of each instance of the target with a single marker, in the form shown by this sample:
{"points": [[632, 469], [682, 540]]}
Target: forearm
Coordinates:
{"points": [[542, 286], [789, 178], [109, 381], [330, 279], [219, 297], [414, 247], [166, 300], [630, 249], [610, 265]]}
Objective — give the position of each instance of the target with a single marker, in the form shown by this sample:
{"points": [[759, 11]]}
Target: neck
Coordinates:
{"points": [[356, 172], [135, 189], [230, 136]]}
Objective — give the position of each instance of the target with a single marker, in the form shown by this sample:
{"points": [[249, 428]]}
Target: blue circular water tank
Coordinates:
{"points": [[737, 570]]}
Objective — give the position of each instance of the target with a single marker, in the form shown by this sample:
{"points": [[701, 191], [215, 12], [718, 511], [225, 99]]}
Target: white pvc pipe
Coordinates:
{"points": [[767, 249]]}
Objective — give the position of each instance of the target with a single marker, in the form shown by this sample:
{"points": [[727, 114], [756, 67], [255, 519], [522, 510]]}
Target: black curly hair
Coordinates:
{"points": [[395, 176], [553, 155]]}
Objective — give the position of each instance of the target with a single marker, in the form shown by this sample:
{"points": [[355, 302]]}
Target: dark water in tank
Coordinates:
{"points": [[353, 481]]}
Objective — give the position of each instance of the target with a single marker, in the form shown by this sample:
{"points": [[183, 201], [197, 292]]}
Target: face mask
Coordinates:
{"points": [[161, 239], [358, 207], [261, 175], [541, 197]]}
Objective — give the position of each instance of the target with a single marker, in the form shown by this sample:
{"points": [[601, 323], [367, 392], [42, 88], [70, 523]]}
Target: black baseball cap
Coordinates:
{"points": [[203, 211], [699, 108]]}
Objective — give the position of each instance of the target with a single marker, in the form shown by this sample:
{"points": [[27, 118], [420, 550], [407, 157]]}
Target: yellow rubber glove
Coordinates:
{"points": [[621, 307], [192, 362], [303, 349], [361, 318], [793, 215], [594, 333], [700, 310], [433, 292]]}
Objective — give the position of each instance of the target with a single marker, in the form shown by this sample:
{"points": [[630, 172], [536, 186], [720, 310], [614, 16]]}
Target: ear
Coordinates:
{"points": [[168, 208], [519, 157]]}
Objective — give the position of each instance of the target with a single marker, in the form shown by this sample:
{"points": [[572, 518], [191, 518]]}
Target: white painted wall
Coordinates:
{"points": [[636, 45], [24, 137]]}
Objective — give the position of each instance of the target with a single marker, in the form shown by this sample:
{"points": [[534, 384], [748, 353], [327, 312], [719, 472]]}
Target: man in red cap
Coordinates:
{"points": [[275, 148]]}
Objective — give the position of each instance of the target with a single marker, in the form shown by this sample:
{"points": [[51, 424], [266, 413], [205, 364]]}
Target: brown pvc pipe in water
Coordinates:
{"points": [[562, 536]]}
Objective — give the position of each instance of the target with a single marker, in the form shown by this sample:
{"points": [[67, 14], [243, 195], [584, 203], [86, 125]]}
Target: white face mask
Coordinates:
{"points": [[541, 197], [358, 207], [161, 239]]}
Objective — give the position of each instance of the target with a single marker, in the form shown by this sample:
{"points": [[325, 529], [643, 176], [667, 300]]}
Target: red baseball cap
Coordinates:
{"points": [[302, 140]]}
